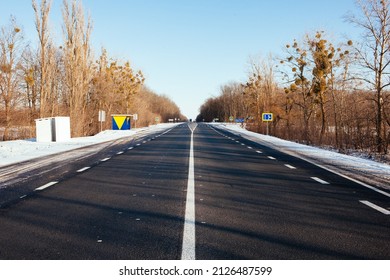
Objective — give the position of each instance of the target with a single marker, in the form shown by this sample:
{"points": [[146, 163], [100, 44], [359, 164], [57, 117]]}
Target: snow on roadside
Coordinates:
{"points": [[21, 150], [366, 170], [362, 169]]}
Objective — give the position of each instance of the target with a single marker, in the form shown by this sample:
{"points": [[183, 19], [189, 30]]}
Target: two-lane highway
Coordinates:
{"points": [[197, 192]]}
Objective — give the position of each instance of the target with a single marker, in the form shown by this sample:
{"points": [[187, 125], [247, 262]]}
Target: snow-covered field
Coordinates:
{"points": [[365, 170], [368, 171], [20, 150]]}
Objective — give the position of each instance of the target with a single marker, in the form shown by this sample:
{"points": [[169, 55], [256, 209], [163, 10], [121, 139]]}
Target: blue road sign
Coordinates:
{"points": [[267, 117]]}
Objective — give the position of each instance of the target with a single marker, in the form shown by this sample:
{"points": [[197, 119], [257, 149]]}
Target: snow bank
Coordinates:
{"points": [[366, 170], [362, 169], [20, 150]]}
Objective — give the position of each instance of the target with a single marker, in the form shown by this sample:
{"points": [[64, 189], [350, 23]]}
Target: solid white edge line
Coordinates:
{"points": [[46, 186], [320, 180], [83, 169], [188, 249], [291, 153], [376, 207], [348, 178]]}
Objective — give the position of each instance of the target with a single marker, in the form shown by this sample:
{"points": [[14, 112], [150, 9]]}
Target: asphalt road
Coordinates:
{"points": [[249, 202]]}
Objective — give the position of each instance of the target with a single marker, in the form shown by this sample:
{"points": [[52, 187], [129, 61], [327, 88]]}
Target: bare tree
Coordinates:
{"points": [[77, 63], [30, 73], [232, 99], [299, 75], [340, 85], [260, 88], [374, 56], [11, 39], [45, 56]]}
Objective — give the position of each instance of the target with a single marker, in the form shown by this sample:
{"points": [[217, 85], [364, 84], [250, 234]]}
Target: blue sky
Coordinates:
{"points": [[187, 49]]}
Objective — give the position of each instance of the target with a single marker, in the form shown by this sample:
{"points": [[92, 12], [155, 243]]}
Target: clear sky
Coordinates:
{"points": [[187, 49]]}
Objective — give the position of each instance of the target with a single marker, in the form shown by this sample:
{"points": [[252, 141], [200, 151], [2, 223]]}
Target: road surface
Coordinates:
{"points": [[193, 192]]}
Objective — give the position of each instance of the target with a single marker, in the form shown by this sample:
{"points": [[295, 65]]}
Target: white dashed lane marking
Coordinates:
{"points": [[290, 166], [46, 186], [320, 180], [83, 169], [376, 207], [105, 159]]}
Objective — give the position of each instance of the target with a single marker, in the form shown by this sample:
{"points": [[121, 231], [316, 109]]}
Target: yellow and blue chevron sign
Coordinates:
{"points": [[121, 122]]}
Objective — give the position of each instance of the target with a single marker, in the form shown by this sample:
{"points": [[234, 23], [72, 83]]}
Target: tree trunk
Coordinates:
{"points": [[379, 121]]}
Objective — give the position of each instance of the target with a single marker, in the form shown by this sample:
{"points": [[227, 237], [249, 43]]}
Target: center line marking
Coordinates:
{"points": [[259, 152], [188, 250], [271, 157], [376, 207], [46, 186], [105, 159], [119, 153], [83, 169], [320, 180]]}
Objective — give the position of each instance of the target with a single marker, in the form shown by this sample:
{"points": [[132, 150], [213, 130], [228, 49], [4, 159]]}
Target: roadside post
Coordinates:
{"points": [[267, 117], [102, 118], [135, 118]]}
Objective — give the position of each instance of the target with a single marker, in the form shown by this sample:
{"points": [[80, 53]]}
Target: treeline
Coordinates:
{"points": [[150, 106], [67, 80], [320, 93]]}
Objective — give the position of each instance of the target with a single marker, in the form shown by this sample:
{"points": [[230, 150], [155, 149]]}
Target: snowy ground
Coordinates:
{"points": [[20, 150], [365, 170], [368, 171]]}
